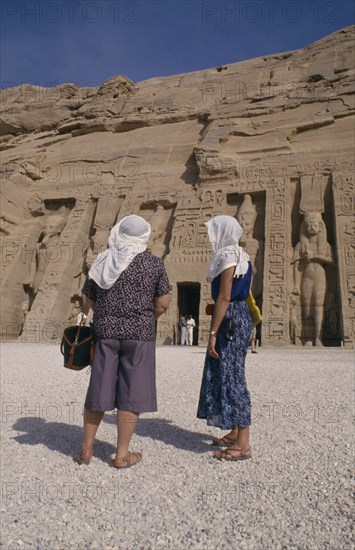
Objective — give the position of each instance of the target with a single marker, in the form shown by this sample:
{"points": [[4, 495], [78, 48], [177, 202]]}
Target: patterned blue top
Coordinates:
{"points": [[240, 286]]}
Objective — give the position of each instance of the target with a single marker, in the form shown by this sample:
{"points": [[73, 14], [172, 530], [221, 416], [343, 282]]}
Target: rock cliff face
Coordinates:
{"points": [[269, 141]]}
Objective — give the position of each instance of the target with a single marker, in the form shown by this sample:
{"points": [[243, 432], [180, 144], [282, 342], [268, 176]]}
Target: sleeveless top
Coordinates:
{"points": [[240, 286]]}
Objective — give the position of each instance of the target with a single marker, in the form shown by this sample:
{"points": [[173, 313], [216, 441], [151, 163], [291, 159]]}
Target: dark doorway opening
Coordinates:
{"points": [[189, 303]]}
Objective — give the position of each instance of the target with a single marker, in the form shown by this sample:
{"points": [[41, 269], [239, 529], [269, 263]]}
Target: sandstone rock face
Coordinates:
{"points": [[269, 141]]}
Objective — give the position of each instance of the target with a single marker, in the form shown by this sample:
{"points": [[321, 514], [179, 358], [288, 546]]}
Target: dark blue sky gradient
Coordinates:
{"points": [[48, 42]]}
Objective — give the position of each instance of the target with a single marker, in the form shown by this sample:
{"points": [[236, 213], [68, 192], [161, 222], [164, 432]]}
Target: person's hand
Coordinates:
{"points": [[211, 346]]}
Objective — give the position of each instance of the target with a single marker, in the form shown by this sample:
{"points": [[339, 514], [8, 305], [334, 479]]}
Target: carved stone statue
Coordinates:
{"points": [[309, 256], [207, 198], [98, 244], [45, 252], [158, 225], [80, 273], [247, 216]]}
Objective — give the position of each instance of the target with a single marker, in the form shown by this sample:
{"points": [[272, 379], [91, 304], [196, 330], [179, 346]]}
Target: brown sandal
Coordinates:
{"points": [[243, 454], [78, 458], [127, 460], [223, 441]]}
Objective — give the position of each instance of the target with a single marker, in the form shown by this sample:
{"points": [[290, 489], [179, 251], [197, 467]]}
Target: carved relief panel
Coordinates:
{"points": [[343, 189], [160, 217], [106, 215], [56, 287], [275, 281]]}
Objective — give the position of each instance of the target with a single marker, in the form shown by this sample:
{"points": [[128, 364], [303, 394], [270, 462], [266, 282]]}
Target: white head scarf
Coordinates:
{"points": [[128, 238], [224, 233]]}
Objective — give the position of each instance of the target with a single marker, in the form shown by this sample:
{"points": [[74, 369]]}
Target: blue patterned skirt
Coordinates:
{"points": [[224, 396]]}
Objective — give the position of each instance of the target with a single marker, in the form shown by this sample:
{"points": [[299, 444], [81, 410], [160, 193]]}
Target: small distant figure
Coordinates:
{"points": [[253, 340], [182, 328], [190, 323]]}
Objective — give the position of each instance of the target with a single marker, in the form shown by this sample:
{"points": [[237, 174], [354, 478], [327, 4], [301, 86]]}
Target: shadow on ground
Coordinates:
{"points": [[66, 438], [161, 429], [57, 436]]}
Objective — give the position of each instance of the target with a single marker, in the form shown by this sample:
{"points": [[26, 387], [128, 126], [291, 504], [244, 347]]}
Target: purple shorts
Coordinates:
{"points": [[123, 376]]}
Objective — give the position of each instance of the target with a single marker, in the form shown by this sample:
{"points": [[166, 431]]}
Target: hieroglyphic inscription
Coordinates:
{"points": [[343, 190], [275, 298]]}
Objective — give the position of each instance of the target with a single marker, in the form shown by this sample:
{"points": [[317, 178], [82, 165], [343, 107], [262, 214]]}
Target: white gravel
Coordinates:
{"points": [[294, 494]]}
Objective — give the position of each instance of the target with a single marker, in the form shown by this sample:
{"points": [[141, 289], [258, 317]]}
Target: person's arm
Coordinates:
{"points": [[161, 304], [220, 308], [162, 292], [88, 304], [89, 296]]}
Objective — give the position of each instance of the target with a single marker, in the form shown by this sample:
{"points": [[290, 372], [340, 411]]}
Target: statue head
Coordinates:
{"points": [[312, 223], [54, 225], [314, 226], [247, 215]]}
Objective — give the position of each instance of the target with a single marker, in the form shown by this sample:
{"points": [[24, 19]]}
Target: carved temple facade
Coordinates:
{"points": [[282, 166], [183, 245]]}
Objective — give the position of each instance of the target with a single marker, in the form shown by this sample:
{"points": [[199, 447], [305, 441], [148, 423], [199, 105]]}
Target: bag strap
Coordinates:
{"points": [[73, 347], [91, 353], [81, 324], [64, 338], [75, 344], [71, 356]]}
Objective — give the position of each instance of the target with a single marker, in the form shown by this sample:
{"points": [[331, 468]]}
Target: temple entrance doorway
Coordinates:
{"points": [[189, 303]]}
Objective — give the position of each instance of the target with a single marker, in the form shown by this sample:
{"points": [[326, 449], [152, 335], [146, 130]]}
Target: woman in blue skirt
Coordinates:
{"points": [[224, 397]]}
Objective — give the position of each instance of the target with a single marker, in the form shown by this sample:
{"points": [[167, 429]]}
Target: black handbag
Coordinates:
{"points": [[77, 347]]}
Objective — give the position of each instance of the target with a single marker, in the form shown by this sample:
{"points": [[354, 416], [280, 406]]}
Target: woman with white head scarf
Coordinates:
{"points": [[224, 397], [127, 239], [128, 289]]}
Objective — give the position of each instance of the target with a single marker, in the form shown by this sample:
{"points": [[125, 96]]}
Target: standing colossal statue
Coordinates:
{"points": [[46, 251], [158, 227], [310, 256], [246, 216]]}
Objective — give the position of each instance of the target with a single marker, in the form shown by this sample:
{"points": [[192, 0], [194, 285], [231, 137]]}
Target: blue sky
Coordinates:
{"points": [[48, 42]]}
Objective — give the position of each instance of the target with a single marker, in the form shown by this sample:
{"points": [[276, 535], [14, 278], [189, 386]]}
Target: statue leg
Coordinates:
{"points": [[318, 310], [296, 278], [319, 296], [306, 295]]}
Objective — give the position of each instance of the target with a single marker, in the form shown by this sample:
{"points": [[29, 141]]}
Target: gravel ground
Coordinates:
{"points": [[293, 494]]}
